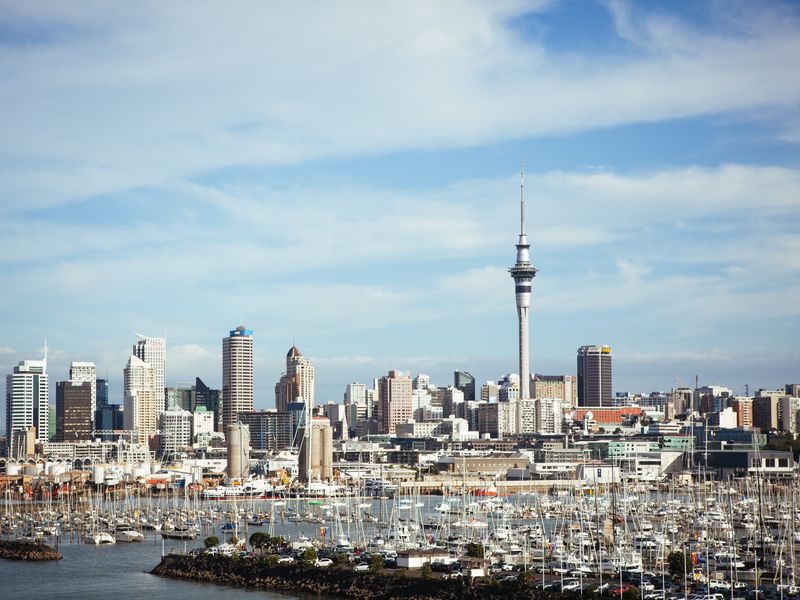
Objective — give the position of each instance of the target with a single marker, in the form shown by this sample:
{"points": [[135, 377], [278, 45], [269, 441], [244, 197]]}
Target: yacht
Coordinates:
{"points": [[126, 533], [101, 537]]}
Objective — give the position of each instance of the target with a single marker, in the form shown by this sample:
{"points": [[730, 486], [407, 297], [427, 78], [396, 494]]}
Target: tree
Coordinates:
{"points": [[260, 539], [677, 563], [474, 550], [308, 557], [427, 571], [272, 561], [211, 541], [375, 563]]}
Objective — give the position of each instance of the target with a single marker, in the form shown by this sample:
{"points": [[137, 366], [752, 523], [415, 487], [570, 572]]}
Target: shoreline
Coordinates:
{"points": [[340, 582]]}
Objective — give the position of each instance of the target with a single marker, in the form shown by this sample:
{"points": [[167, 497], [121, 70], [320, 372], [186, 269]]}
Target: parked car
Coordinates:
{"points": [[324, 562], [361, 567]]}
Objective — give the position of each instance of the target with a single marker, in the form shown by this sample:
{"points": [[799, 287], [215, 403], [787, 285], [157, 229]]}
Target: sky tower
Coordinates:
{"points": [[523, 273]]}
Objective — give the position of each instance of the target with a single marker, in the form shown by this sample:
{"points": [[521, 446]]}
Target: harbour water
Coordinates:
{"points": [[116, 572]]}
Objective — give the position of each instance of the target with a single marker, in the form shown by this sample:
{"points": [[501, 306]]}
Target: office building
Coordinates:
{"points": [[270, 430], [394, 400], [594, 376], [549, 415], [27, 400], [466, 383], [523, 273], [793, 389], [182, 397], [101, 387], [85, 371], [743, 407], [74, 413], [237, 375], [297, 383], [355, 401], [767, 412]]}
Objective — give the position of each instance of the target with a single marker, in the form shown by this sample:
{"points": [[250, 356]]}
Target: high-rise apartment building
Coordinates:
{"points": [[549, 415], [237, 375], [466, 383], [85, 371], [394, 401], [153, 351], [27, 398], [143, 403], [594, 376], [176, 430], [74, 412], [743, 407]]}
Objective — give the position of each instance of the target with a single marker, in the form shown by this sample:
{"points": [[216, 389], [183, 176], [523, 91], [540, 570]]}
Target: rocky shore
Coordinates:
{"points": [[338, 581], [18, 550]]}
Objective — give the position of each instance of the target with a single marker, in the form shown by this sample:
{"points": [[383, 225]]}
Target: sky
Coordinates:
{"points": [[346, 175]]}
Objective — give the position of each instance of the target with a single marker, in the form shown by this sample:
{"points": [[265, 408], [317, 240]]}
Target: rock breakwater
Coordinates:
{"points": [[338, 581], [19, 550]]}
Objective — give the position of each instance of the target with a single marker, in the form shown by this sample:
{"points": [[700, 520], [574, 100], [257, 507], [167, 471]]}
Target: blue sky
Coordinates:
{"points": [[347, 175]]}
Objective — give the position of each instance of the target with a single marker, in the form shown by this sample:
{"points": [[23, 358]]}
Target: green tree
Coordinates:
{"points": [[308, 557], [260, 540], [427, 571], [211, 541], [474, 550], [340, 558], [272, 561], [677, 563], [375, 563]]}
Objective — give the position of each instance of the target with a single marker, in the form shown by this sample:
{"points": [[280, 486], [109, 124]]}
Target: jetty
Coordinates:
{"points": [[340, 581], [22, 550]]}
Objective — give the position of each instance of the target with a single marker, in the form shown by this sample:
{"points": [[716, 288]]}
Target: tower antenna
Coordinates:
{"points": [[522, 196]]}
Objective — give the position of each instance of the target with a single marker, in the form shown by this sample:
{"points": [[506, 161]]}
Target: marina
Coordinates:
{"points": [[736, 537]]}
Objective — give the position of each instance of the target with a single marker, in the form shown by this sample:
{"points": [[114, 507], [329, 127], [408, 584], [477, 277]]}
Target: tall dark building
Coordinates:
{"points": [[466, 383], [209, 398], [108, 417], [594, 376], [269, 430], [102, 392], [73, 411]]}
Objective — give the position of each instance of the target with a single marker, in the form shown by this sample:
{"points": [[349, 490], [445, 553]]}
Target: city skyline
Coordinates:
{"points": [[376, 230]]}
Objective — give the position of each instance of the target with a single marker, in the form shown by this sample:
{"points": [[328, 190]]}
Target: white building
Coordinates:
{"points": [[27, 401], [202, 426], [790, 413], [85, 371], [549, 415], [355, 401], [526, 415], [153, 351], [300, 367], [142, 406], [176, 429]]}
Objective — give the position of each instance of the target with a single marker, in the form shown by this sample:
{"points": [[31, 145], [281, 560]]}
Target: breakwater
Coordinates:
{"points": [[19, 550], [339, 581]]}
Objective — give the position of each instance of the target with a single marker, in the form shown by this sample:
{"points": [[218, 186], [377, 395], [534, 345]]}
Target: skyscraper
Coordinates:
{"points": [[142, 404], [85, 371], [394, 400], [153, 351], [466, 383], [102, 392], [237, 375], [27, 397], [74, 413], [523, 273], [210, 399], [297, 383], [594, 376]]}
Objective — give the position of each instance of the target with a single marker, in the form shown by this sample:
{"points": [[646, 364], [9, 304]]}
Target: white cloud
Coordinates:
{"points": [[110, 98], [6, 350]]}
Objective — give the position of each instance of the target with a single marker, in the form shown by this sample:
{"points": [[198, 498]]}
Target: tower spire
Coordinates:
{"points": [[522, 196]]}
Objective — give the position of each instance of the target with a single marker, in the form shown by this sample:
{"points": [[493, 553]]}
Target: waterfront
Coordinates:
{"points": [[120, 571]]}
